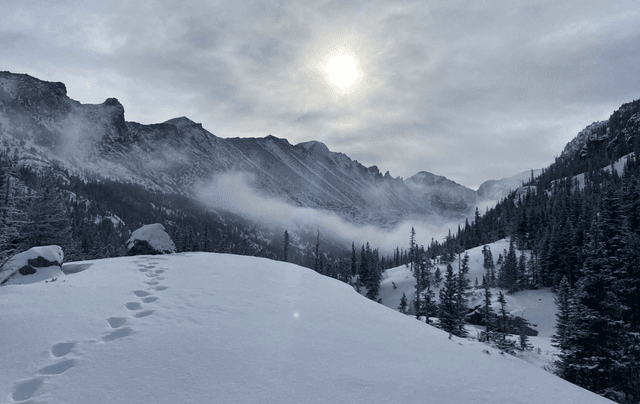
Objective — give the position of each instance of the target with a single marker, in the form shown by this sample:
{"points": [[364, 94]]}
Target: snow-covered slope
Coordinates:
{"points": [[492, 191], [537, 306], [202, 328]]}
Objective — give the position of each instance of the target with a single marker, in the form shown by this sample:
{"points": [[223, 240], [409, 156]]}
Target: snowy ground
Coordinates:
{"points": [[537, 306], [210, 328]]}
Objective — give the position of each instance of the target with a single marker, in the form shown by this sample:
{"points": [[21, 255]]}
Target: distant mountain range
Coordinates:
{"points": [[38, 119]]}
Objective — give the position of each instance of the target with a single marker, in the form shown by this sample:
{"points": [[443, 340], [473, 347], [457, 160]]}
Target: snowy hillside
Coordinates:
{"points": [[537, 306], [201, 328]]}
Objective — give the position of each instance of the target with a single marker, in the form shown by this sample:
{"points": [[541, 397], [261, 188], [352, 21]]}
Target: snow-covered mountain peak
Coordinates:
{"points": [[315, 147], [429, 179], [595, 131], [181, 122], [179, 155]]}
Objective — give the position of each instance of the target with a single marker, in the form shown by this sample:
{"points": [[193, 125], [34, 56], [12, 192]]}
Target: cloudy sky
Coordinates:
{"points": [[466, 89]]}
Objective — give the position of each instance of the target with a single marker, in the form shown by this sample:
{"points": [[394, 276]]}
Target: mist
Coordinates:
{"points": [[232, 192]]}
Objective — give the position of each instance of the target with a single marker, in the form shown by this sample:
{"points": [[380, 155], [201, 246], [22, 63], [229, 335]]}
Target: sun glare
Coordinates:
{"points": [[342, 70]]}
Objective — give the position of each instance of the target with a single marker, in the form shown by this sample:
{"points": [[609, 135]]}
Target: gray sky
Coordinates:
{"points": [[466, 89]]}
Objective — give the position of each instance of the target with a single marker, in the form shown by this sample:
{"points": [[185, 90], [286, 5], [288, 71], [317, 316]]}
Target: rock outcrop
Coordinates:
{"points": [[151, 239], [33, 265]]}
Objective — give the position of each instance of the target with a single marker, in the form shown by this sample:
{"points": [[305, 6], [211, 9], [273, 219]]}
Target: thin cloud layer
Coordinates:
{"points": [[232, 192], [471, 91]]}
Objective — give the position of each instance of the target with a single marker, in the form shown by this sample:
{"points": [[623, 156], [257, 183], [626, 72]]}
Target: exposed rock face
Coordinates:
{"points": [[33, 265], [151, 239]]}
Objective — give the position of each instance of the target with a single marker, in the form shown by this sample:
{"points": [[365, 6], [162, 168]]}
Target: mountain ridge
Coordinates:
{"points": [[179, 155]]}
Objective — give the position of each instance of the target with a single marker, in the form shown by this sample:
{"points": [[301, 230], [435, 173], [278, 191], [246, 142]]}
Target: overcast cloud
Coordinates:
{"points": [[465, 89]]}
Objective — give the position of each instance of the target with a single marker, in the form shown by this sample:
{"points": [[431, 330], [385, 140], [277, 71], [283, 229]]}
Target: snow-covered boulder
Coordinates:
{"points": [[33, 265], [151, 239]]}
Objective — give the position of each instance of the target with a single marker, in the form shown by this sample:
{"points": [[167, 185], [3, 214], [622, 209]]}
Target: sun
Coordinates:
{"points": [[342, 70]]}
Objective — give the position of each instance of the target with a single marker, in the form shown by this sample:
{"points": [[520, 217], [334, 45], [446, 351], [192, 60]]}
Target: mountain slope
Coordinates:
{"points": [[203, 327], [180, 156]]}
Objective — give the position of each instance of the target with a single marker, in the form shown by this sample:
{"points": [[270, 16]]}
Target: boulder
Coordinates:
{"points": [[33, 265], [151, 239]]}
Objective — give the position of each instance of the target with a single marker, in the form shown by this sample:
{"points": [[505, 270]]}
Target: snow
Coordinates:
{"points": [[205, 327], [155, 235], [50, 253], [537, 306]]}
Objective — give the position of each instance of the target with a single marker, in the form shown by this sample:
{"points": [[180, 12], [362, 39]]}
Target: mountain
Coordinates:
{"points": [[494, 190], [202, 327], [180, 156]]}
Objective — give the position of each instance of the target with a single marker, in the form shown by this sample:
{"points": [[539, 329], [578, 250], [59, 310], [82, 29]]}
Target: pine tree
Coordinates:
{"points": [[354, 261], [13, 215], [364, 267], [521, 274], [449, 308], [403, 304], [508, 275], [285, 253], [462, 297], [48, 220], [599, 309], [488, 315], [503, 343], [437, 277], [373, 275], [565, 335]]}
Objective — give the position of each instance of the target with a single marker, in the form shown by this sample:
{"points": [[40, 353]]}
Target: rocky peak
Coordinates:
{"points": [[181, 122], [315, 147]]}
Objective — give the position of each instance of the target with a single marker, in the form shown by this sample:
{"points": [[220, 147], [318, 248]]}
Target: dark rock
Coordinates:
{"points": [[142, 247], [41, 262], [27, 270]]}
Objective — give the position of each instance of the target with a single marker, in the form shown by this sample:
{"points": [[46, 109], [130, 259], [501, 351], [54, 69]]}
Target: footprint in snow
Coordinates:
{"points": [[142, 269], [141, 293], [161, 288], [62, 348], [143, 313], [152, 283], [159, 271], [117, 334], [58, 368], [150, 299], [24, 390], [133, 306], [116, 322]]}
